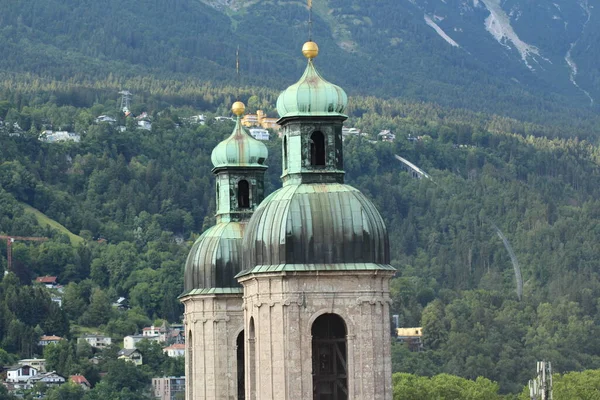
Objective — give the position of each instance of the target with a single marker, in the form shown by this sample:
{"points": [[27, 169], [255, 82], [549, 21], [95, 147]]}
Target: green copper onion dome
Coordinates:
{"points": [[240, 149], [312, 95], [316, 227], [215, 258]]}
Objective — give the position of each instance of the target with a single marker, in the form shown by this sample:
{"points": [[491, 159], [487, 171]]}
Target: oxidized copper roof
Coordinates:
{"points": [[239, 150], [316, 224], [215, 258], [312, 96]]}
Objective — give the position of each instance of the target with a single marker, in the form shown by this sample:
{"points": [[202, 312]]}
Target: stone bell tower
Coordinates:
{"points": [[316, 265], [212, 297]]}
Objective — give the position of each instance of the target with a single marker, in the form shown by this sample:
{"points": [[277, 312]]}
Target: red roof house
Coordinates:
{"points": [[80, 380], [46, 280]]}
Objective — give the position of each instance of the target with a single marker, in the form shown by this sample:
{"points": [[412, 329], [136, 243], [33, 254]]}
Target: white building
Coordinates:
{"points": [[130, 342], [167, 388], [143, 124], [175, 350], [60, 136], [97, 341], [45, 340], [37, 363], [259, 134], [386, 136], [49, 379], [20, 373], [350, 131], [197, 119], [105, 118], [152, 330], [130, 355]]}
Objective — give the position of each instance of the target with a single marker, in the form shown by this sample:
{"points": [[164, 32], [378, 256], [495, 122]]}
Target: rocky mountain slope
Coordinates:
{"points": [[489, 55]]}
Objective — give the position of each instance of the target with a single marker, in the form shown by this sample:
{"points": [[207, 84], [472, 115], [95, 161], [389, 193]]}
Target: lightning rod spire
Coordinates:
{"points": [[310, 20], [237, 70]]}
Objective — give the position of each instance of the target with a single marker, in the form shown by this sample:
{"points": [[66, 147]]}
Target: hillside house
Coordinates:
{"points": [[130, 355], [20, 373], [37, 363], [259, 134], [249, 120], [49, 281], [144, 124], [259, 120], [81, 381], [152, 331], [48, 379], [412, 337], [175, 335], [96, 341], [197, 119], [121, 303], [59, 136], [45, 340], [105, 118], [386, 136], [175, 350], [130, 341]]}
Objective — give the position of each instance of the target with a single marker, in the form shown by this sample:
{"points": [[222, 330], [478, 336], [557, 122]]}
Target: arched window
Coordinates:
{"points": [[243, 194], [241, 377], [285, 153], [190, 365], [329, 358], [251, 361], [317, 149]]}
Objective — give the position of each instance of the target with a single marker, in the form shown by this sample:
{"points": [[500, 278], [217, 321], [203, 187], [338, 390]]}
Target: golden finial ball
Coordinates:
{"points": [[310, 50], [238, 108]]}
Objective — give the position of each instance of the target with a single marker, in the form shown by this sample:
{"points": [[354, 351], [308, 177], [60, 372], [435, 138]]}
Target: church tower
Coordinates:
{"points": [[316, 265], [212, 297]]}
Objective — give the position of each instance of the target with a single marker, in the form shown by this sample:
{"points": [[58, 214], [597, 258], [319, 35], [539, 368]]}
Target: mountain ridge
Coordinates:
{"points": [[388, 49]]}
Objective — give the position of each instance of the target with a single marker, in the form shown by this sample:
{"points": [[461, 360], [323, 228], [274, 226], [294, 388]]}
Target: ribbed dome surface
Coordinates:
{"points": [[316, 224], [239, 149], [312, 96], [215, 258]]}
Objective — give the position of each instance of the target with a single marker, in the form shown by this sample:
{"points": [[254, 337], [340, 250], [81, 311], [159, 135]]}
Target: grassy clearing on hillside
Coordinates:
{"points": [[42, 219]]}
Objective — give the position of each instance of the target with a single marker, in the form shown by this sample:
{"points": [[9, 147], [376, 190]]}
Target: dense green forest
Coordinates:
{"points": [[507, 152], [139, 198]]}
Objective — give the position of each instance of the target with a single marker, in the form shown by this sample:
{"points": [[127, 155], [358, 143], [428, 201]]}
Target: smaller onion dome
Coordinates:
{"points": [[312, 95], [215, 258], [240, 149]]}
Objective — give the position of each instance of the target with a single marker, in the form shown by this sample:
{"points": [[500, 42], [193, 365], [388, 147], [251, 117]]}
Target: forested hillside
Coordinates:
{"points": [[511, 153], [139, 198]]}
